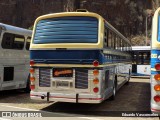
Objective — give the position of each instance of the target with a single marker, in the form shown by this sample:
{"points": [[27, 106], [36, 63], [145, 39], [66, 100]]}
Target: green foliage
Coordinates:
{"points": [[31, 27]]}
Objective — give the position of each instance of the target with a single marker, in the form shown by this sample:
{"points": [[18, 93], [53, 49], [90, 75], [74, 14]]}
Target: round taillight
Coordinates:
{"points": [[157, 87], [96, 81], [96, 89], [32, 78], [32, 87], [95, 72], [31, 62], [157, 98], [95, 63], [157, 77], [31, 70], [157, 66]]}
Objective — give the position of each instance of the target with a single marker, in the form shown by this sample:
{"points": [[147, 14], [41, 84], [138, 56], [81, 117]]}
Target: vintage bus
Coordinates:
{"points": [[77, 57], [155, 63], [14, 57], [141, 61]]}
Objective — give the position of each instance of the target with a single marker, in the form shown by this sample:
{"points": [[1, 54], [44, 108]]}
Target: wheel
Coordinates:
{"points": [[27, 89], [114, 90]]}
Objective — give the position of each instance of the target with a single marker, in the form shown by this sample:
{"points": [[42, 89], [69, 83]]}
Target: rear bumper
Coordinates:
{"points": [[65, 97], [155, 108]]}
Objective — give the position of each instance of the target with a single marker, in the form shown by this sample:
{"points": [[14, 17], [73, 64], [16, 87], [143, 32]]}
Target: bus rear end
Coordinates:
{"points": [[66, 58], [155, 63]]}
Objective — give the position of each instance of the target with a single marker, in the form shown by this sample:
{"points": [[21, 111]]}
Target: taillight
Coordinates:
{"points": [[96, 89], [32, 78], [32, 62], [157, 77], [157, 66], [95, 63], [157, 87], [157, 98], [95, 72], [96, 81], [32, 87], [31, 70]]}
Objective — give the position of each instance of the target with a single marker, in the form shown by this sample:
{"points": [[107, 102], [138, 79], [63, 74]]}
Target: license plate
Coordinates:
{"points": [[62, 72], [62, 83]]}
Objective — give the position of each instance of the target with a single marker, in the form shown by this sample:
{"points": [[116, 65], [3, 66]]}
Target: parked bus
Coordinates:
{"points": [[155, 63], [77, 57], [141, 60], [14, 57]]}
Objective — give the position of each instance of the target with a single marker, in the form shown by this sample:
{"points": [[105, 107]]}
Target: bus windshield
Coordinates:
{"points": [[75, 29]]}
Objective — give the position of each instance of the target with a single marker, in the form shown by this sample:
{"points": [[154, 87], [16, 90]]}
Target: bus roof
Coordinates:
{"points": [[139, 48], [17, 30]]}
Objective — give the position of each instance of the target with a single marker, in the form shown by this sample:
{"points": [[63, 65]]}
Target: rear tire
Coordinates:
{"points": [[114, 90]]}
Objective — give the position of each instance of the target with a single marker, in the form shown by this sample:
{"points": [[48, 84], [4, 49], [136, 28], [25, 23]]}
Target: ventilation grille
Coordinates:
{"points": [[67, 30], [44, 77], [81, 79]]}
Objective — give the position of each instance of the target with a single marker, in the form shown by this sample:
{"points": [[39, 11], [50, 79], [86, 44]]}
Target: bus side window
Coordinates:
{"points": [[119, 43], [18, 42], [12, 41], [28, 43], [7, 40], [113, 40], [110, 39]]}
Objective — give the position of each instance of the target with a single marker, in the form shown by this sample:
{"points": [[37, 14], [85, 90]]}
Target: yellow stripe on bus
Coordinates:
{"points": [[75, 65]]}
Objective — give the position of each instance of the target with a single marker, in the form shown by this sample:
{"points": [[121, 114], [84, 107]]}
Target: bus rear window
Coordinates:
{"points": [[67, 30]]}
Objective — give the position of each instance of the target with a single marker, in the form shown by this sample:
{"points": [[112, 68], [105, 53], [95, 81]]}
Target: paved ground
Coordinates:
{"points": [[134, 97]]}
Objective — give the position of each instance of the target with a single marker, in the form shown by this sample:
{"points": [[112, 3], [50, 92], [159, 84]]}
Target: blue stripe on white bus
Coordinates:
{"points": [[72, 57], [155, 60]]}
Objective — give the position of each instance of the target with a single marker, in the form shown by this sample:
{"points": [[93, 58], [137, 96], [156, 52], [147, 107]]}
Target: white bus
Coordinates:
{"points": [[141, 60], [14, 57], [77, 57], [155, 63]]}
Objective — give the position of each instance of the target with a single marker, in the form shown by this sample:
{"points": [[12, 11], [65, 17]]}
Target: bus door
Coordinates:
{"points": [[143, 66]]}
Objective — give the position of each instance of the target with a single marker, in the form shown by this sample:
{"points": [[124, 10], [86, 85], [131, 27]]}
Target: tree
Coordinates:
{"points": [[71, 5], [155, 4]]}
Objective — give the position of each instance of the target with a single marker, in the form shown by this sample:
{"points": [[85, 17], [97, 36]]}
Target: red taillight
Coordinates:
{"points": [[95, 63], [96, 81], [31, 62], [95, 72], [157, 66], [31, 70], [32, 78], [32, 87], [157, 98], [157, 77], [96, 89]]}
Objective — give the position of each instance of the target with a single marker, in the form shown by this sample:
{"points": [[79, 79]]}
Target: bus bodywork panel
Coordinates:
{"points": [[155, 60], [66, 56], [70, 63], [14, 60]]}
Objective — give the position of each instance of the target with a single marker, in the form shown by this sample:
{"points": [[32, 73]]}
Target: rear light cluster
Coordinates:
{"points": [[96, 80], [157, 86], [95, 63], [32, 62], [157, 98], [32, 78], [157, 66]]}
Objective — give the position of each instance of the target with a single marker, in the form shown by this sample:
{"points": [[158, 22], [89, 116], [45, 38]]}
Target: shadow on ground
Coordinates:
{"points": [[134, 97]]}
